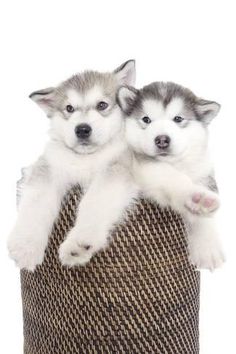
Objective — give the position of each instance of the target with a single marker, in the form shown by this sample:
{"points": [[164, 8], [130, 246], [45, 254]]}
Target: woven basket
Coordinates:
{"points": [[140, 295]]}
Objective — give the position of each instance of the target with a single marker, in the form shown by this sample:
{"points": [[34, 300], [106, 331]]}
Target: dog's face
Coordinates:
{"points": [[165, 120], [83, 109]]}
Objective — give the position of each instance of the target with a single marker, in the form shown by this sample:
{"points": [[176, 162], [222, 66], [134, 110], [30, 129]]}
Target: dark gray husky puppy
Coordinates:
{"points": [[166, 130]]}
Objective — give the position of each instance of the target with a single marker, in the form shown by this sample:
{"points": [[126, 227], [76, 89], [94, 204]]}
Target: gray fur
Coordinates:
{"points": [[133, 103], [54, 97], [87, 80], [211, 184], [40, 171], [165, 92], [122, 66], [42, 93], [19, 186]]}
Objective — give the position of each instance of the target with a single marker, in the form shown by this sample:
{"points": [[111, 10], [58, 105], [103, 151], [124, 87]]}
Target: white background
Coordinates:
{"points": [[190, 42]]}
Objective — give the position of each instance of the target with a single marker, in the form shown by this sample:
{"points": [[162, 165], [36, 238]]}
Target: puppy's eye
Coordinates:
{"points": [[178, 119], [101, 106], [69, 108], [146, 120]]}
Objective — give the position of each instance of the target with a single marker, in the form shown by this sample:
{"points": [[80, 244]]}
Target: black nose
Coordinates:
{"points": [[162, 141], [83, 131]]}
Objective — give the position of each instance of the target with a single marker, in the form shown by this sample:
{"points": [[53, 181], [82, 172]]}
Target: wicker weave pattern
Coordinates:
{"points": [[138, 296]]}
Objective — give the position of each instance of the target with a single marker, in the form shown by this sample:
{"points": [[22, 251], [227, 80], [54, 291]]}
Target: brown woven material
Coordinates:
{"points": [[140, 295]]}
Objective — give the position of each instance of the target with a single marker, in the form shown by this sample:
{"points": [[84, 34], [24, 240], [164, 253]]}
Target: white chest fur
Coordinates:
{"points": [[69, 167]]}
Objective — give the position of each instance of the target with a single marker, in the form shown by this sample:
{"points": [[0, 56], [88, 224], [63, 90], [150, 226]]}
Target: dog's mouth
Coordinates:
{"points": [[159, 155], [84, 143], [85, 147], [163, 153], [82, 147]]}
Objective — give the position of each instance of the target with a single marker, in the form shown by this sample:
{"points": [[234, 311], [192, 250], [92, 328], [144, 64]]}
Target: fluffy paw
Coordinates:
{"points": [[206, 254], [26, 251], [202, 203], [73, 253]]}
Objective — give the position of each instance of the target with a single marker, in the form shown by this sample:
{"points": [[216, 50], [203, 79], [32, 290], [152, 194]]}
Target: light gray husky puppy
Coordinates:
{"points": [[86, 139], [166, 130]]}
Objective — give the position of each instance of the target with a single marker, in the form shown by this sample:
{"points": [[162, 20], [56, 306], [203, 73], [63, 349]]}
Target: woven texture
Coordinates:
{"points": [[140, 295]]}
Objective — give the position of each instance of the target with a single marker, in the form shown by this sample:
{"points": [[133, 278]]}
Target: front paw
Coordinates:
{"points": [[25, 249], [202, 203], [72, 252], [206, 254]]}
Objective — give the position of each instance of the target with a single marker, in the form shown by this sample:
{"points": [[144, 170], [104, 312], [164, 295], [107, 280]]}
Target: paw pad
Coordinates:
{"points": [[202, 203], [72, 253], [83, 248]]}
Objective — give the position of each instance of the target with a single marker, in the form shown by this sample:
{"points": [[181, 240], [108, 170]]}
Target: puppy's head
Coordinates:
{"points": [[83, 110], [165, 120]]}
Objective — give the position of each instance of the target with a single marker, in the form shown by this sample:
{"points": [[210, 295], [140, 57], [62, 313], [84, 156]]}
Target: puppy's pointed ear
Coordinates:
{"points": [[46, 99], [126, 73], [127, 97], [207, 110]]}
